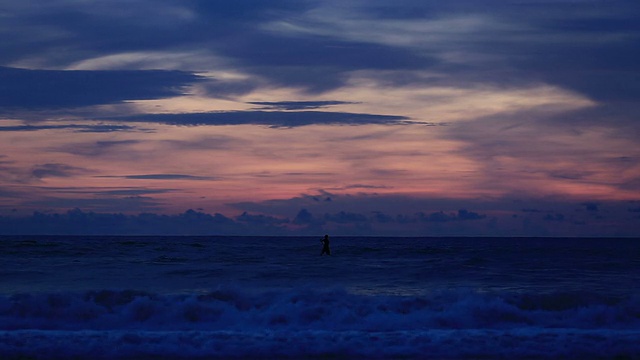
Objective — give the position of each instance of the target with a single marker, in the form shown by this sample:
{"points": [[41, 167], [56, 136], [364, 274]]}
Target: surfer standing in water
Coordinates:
{"points": [[325, 246]]}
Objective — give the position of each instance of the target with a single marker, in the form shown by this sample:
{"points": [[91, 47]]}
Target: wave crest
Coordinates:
{"points": [[229, 308]]}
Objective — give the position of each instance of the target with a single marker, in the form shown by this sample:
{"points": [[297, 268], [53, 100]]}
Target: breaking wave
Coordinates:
{"points": [[232, 322]]}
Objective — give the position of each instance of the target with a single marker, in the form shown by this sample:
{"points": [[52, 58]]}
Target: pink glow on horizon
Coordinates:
{"points": [[252, 163]]}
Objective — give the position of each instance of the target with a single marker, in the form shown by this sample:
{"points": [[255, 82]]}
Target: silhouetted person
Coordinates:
{"points": [[325, 246]]}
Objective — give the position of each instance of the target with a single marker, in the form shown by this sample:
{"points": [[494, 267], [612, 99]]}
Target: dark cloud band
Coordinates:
{"points": [[268, 118], [55, 89]]}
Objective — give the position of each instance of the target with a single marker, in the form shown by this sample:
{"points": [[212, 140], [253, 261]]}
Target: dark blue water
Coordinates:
{"points": [[220, 297]]}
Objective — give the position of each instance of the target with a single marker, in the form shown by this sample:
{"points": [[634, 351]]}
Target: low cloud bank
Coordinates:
{"points": [[192, 222]]}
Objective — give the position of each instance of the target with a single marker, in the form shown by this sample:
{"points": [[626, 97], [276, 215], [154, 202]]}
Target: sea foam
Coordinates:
{"points": [[232, 322]]}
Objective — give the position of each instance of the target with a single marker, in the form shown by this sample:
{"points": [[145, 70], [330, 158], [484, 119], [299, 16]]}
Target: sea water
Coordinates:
{"points": [[267, 297]]}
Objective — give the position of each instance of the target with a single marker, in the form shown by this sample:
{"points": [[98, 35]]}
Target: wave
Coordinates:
{"points": [[304, 308], [234, 322], [426, 344]]}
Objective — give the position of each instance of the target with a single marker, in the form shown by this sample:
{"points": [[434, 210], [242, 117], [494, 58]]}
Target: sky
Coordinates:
{"points": [[352, 117]]}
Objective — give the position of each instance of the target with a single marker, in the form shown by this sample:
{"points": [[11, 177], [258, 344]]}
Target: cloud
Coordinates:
{"points": [[190, 222], [318, 45], [57, 170], [317, 221], [532, 211], [260, 219], [97, 204], [585, 46], [96, 148], [268, 118], [98, 199], [530, 91], [101, 192], [441, 216], [77, 221], [76, 127], [464, 215], [229, 89], [162, 177], [11, 193], [297, 105], [344, 222], [304, 217], [317, 64], [5, 164], [373, 205], [345, 217], [63, 32], [396, 214], [236, 33], [591, 206], [512, 152], [359, 186], [554, 217], [55, 89]]}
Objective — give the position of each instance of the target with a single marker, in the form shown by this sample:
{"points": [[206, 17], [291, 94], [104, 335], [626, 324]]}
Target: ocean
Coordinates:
{"points": [[120, 297]]}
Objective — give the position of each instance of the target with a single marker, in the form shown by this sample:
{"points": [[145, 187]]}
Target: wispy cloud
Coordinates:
{"points": [[297, 105], [101, 192], [96, 148], [161, 177], [269, 118], [57, 170], [104, 204], [81, 128]]}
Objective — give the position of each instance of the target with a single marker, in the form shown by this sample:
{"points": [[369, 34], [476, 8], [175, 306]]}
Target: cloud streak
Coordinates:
{"points": [[161, 177], [278, 119], [80, 128], [54, 89], [57, 170], [297, 105]]}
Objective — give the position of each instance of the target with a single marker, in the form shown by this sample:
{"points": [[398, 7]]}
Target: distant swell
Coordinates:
{"points": [[304, 322]]}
